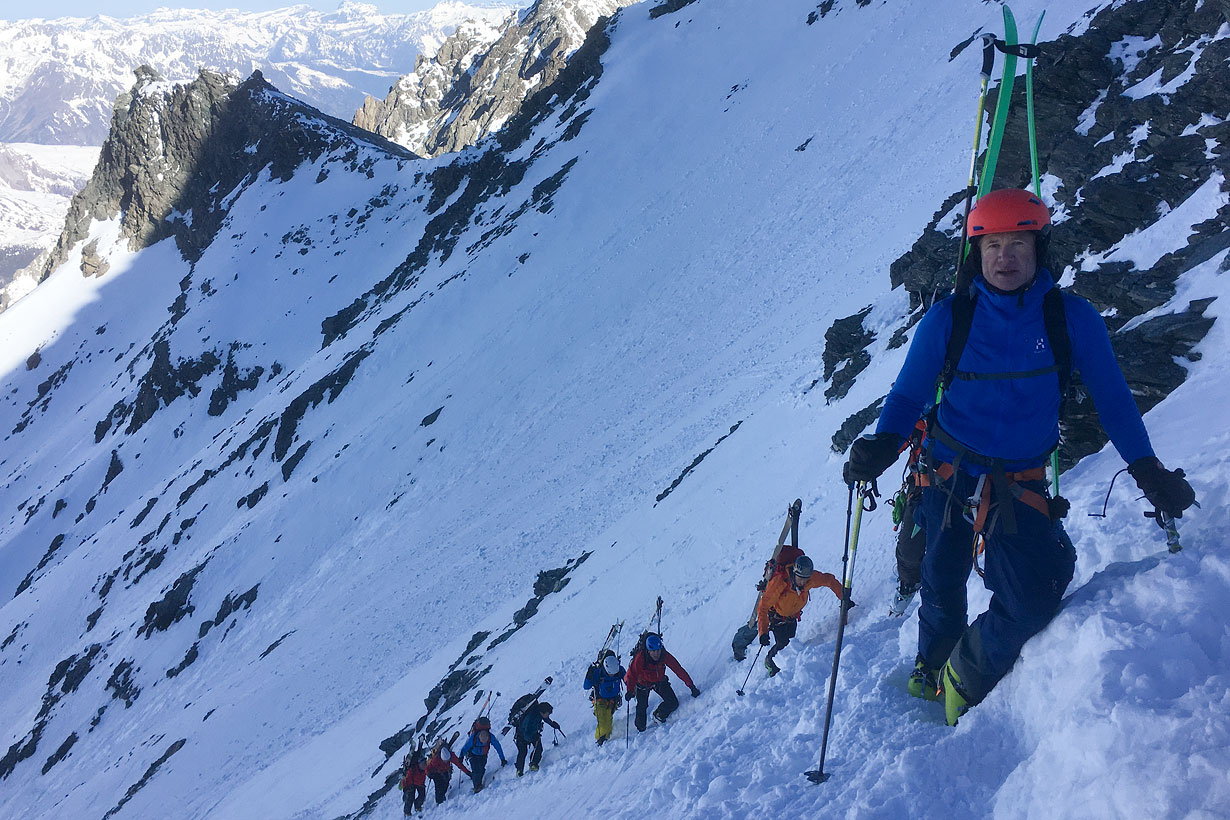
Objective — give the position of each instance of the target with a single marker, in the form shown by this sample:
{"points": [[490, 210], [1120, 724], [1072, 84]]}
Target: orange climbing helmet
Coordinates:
{"points": [[1008, 209]]}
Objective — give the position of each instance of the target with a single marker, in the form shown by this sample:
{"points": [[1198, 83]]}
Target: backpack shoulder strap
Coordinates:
{"points": [[962, 319], [1056, 320]]}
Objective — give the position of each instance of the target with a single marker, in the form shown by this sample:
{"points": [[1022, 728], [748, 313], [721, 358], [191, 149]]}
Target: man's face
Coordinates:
{"points": [[655, 654], [1009, 260]]}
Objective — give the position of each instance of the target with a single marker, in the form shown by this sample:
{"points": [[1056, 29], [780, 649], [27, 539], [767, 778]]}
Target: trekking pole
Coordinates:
{"points": [[988, 63], [865, 492], [658, 613], [739, 691]]}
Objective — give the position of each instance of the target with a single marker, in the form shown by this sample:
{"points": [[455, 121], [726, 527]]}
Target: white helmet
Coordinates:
{"points": [[610, 665]]}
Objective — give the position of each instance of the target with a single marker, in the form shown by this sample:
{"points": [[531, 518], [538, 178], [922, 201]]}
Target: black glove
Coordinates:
{"points": [[1167, 490], [764, 639], [870, 456], [695, 692]]}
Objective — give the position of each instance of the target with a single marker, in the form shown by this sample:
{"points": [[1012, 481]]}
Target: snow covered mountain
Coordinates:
{"points": [[36, 184], [479, 77], [59, 77], [311, 444]]}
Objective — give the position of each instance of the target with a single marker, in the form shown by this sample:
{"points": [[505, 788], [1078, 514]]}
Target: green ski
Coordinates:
{"points": [[1029, 107], [1002, 101]]}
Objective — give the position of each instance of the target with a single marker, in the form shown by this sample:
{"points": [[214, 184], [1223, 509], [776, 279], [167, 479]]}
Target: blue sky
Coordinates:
{"points": [[130, 8]]}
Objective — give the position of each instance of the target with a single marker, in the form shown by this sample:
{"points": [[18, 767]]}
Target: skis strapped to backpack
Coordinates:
{"points": [[791, 528], [522, 705], [649, 629], [611, 638]]}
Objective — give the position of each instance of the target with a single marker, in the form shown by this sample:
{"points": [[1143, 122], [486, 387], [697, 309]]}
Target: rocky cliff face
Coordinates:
{"points": [[480, 77], [1131, 114], [177, 155]]}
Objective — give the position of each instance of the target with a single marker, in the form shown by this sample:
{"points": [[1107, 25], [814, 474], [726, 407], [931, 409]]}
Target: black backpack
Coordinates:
{"points": [[521, 706]]}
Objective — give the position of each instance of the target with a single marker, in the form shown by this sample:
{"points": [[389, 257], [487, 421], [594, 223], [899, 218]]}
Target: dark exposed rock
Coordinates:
{"points": [[431, 417], [276, 643], [1148, 351], [253, 498], [695, 463], [114, 468], [149, 505], [669, 7], [471, 88], [291, 463], [452, 689], [64, 680], [145, 778], [56, 543], [60, 753], [173, 606], [121, 684], [175, 157], [189, 658], [233, 381], [231, 604], [332, 384], [845, 344], [853, 427]]}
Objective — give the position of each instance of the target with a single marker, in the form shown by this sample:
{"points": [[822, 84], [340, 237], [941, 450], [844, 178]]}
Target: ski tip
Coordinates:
{"points": [[816, 776]]}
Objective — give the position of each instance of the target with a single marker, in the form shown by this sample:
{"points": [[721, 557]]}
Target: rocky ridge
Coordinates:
{"points": [[480, 77]]}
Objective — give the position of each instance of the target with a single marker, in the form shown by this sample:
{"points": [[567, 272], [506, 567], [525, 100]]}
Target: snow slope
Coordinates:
{"points": [[222, 634]]}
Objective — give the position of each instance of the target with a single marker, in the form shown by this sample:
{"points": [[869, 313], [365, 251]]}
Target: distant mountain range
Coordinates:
{"points": [[59, 78]]}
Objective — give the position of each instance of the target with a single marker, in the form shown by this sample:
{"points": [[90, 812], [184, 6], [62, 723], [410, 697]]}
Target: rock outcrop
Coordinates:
{"points": [[480, 77], [177, 155]]}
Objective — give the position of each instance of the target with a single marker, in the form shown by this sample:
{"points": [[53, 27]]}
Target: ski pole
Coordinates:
{"points": [[739, 691], [865, 492], [988, 63], [627, 726]]}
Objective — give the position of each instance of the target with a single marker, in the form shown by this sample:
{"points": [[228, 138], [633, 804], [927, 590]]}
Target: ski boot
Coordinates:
{"points": [[533, 767], [956, 703], [520, 773], [772, 667], [901, 600], [924, 683]]}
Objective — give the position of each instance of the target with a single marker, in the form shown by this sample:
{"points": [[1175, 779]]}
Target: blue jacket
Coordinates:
{"points": [[530, 726], [607, 687], [476, 748], [1015, 419]]}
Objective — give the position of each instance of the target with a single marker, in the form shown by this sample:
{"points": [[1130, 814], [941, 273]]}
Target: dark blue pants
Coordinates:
{"points": [[1026, 572]]}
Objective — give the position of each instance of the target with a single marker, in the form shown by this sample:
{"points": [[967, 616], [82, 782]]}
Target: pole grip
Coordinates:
{"points": [[988, 55]]}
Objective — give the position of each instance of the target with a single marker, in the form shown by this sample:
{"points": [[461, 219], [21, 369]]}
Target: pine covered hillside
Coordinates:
{"points": [[312, 446]]}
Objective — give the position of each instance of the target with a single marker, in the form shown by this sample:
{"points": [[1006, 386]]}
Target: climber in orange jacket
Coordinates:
{"points": [[783, 601]]}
